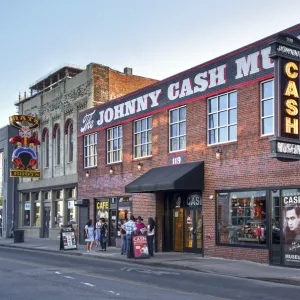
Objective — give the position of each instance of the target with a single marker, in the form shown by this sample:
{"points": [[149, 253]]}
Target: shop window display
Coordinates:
{"points": [[36, 214], [26, 214], [242, 218], [58, 213]]}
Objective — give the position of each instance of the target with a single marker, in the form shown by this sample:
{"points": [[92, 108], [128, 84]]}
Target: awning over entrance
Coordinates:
{"points": [[187, 177]]}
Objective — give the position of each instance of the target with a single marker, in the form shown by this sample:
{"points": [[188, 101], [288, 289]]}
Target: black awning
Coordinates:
{"points": [[189, 177]]}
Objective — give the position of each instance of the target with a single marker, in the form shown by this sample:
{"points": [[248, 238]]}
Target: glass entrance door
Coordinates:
{"points": [[192, 231], [178, 229]]}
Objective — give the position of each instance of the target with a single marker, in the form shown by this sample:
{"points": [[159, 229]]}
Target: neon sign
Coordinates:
{"points": [[24, 157]]}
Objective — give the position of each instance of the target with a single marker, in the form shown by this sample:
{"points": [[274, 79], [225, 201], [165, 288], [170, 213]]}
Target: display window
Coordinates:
{"points": [[26, 214], [124, 211], [37, 214], [241, 218], [58, 213]]}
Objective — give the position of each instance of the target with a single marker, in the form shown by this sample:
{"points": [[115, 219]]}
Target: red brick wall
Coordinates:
{"points": [[244, 164], [121, 84], [109, 84]]}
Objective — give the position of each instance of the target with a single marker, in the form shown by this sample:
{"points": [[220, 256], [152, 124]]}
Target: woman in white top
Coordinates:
{"points": [[150, 235], [90, 235]]}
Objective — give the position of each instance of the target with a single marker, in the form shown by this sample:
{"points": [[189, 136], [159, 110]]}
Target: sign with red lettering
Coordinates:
{"points": [[140, 246]]}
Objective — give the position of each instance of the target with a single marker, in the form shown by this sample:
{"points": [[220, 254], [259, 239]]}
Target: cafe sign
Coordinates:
{"points": [[286, 54]]}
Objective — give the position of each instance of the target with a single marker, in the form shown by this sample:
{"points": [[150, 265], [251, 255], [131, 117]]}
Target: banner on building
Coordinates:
{"points": [[291, 229], [24, 156]]}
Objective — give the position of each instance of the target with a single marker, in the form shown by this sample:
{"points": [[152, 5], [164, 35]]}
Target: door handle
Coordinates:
{"points": [[195, 231]]}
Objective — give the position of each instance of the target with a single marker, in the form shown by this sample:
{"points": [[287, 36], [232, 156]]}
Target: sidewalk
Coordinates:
{"points": [[186, 261]]}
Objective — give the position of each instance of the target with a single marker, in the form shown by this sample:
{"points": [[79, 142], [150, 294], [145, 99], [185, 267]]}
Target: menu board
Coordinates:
{"points": [[68, 240], [140, 246]]}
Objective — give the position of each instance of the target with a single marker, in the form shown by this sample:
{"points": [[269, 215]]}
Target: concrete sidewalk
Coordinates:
{"points": [[187, 261]]}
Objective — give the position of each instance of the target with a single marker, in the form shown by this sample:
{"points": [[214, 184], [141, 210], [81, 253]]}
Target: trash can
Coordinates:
{"points": [[19, 236]]}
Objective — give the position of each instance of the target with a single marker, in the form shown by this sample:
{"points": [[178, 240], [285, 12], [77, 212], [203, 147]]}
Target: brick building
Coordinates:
{"points": [[47, 203], [196, 152]]}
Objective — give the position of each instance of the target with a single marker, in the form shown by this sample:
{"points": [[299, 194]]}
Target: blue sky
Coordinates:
{"points": [[156, 38]]}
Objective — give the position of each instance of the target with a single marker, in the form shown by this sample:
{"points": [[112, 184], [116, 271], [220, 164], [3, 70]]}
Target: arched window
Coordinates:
{"points": [[45, 140], [56, 144], [70, 140]]}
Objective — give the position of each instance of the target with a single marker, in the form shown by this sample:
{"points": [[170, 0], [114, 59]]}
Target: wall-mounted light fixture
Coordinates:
{"points": [[211, 197], [218, 154], [111, 170], [139, 166], [87, 174]]}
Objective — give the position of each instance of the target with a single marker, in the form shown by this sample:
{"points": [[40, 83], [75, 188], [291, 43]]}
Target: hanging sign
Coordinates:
{"points": [[24, 156], [285, 50]]}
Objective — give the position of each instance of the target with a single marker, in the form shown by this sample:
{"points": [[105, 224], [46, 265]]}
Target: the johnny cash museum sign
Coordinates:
{"points": [[251, 63], [285, 145]]}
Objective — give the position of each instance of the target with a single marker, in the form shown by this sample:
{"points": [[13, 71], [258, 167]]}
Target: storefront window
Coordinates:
{"points": [[70, 211], [242, 218], [58, 213], [36, 214], [26, 214], [124, 211]]}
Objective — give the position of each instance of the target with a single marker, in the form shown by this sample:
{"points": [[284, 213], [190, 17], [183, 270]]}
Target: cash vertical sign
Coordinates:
{"points": [[285, 50]]}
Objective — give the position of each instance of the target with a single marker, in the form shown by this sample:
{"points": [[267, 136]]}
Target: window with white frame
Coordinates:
{"points": [[114, 144], [142, 137], [222, 118], [46, 148], [56, 140], [90, 150], [177, 129], [267, 107]]}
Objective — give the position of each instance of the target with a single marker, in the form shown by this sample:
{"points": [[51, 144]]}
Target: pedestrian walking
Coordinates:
{"points": [[90, 235], [130, 229], [150, 235], [123, 239], [103, 234]]}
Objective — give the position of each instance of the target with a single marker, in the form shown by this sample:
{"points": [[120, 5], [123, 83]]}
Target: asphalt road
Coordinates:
{"points": [[40, 275]]}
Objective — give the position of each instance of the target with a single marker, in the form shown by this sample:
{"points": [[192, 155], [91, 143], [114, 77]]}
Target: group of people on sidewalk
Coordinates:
{"points": [[96, 236], [136, 227]]}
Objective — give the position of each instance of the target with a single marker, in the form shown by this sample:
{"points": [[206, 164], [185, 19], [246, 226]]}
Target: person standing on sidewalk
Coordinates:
{"points": [[130, 229], [98, 234], [150, 235], [90, 235], [103, 234], [141, 227], [123, 238]]}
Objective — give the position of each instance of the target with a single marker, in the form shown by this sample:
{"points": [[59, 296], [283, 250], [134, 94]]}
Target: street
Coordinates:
{"points": [[40, 275]]}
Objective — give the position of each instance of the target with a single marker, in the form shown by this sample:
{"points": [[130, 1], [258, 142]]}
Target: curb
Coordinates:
{"points": [[146, 262], [141, 262]]}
